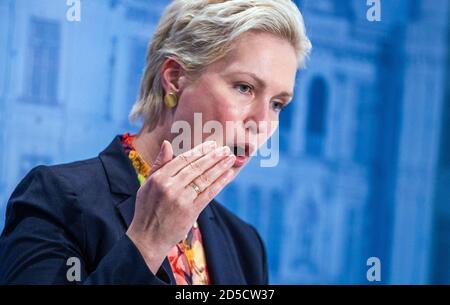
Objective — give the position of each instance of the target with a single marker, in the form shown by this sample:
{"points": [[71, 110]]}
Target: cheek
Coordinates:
{"points": [[222, 109], [214, 105], [214, 101], [227, 114]]}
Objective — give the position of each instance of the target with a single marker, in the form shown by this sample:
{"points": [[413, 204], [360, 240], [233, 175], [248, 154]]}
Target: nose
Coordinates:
{"points": [[259, 118]]}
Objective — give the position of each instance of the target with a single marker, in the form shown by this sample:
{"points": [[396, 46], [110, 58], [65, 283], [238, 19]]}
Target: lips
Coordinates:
{"points": [[240, 161], [242, 153]]}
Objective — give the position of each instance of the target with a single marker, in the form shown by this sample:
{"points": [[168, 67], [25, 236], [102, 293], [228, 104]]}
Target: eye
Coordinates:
{"points": [[277, 106], [244, 88]]}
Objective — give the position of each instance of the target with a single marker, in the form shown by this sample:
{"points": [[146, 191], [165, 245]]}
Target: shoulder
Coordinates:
{"points": [[74, 174], [72, 177], [58, 187], [64, 195]]}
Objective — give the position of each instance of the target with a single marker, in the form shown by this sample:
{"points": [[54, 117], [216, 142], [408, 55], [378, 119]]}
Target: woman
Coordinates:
{"points": [[143, 211]]}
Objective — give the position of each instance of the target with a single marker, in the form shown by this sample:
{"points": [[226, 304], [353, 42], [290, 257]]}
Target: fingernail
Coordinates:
{"points": [[230, 160], [224, 150], [163, 145]]}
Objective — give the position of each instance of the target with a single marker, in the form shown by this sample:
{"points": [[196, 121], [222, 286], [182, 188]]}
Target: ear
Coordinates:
{"points": [[171, 73]]}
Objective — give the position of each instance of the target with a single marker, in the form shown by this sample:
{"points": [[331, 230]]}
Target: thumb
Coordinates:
{"points": [[164, 156]]}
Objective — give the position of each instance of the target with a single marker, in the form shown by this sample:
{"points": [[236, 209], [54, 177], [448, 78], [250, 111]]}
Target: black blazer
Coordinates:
{"points": [[83, 209]]}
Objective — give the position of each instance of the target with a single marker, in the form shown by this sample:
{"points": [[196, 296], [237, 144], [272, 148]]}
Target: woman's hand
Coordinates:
{"points": [[167, 205]]}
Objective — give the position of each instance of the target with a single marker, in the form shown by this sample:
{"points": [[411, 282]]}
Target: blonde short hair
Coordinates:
{"points": [[197, 33]]}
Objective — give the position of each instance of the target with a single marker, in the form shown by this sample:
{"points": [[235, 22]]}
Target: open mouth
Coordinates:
{"points": [[239, 151], [242, 153]]}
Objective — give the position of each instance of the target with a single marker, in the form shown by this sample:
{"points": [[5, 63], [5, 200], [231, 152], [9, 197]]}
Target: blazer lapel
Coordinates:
{"points": [[122, 179], [124, 183], [221, 262]]}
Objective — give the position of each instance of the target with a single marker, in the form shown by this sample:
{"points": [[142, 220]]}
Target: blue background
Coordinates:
{"points": [[365, 164]]}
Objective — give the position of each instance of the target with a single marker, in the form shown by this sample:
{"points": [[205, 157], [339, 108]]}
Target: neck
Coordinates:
{"points": [[148, 142]]}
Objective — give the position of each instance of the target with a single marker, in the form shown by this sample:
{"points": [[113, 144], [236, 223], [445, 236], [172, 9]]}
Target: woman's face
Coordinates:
{"points": [[243, 92]]}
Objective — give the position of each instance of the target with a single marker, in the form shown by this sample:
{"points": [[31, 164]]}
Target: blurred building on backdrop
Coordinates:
{"points": [[365, 147]]}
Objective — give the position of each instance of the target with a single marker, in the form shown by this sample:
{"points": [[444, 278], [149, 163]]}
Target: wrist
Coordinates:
{"points": [[152, 253]]}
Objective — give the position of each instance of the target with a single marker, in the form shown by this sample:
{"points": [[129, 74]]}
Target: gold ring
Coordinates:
{"points": [[195, 187]]}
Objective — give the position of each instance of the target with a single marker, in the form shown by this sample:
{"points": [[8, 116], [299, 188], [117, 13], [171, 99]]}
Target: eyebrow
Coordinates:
{"points": [[263, 84]]}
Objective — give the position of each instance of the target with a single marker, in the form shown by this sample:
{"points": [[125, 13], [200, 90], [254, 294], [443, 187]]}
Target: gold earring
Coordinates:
{"points": [[171, 100]]}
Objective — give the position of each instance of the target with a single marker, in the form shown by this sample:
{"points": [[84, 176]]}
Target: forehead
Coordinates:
{"points": [[271, 58]]}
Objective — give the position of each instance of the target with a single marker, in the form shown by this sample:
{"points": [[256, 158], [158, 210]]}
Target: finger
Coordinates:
{"points": [[164, 156], [198, 167], [190, 193], [184, 159], [212, 174], [213, 190]]}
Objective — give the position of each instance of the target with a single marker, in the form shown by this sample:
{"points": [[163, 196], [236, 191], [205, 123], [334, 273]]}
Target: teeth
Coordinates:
{"points": [[239, 151]]}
